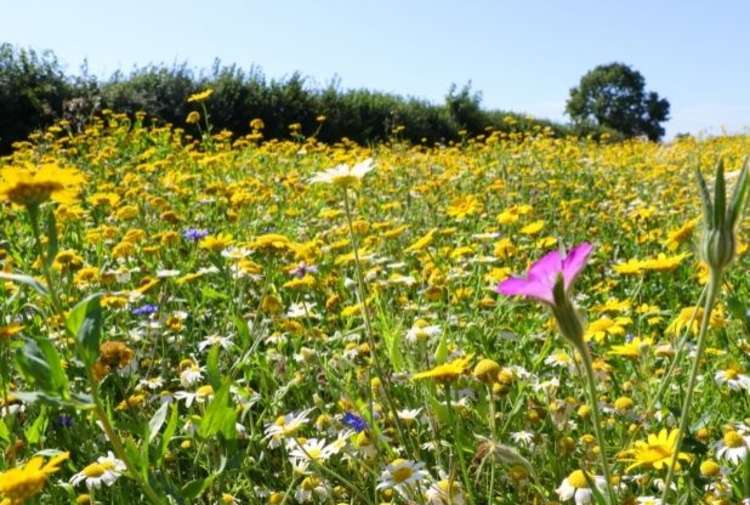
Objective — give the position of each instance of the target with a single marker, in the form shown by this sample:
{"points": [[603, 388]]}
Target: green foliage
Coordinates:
{"points": [[34, 92], [613, 96]]}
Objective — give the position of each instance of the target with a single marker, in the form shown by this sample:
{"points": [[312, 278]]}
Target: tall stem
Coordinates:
{"points": [[596, 418], [34, 218], [118, 446], [714, 284], [368, 325]]}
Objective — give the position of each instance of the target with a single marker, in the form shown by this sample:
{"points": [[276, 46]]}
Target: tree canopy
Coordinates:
{"points": [[614, 96]]}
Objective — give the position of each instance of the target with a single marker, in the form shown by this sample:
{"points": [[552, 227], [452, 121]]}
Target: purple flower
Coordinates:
{"points": [[539, 282], [194, 234], [302, 269], [144, 310], [355, 422]]}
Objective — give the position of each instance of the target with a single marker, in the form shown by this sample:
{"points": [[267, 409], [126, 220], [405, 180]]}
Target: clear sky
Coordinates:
{"points": [[523, 55]]}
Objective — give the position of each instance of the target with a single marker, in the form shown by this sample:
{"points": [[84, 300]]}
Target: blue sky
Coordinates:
{"points": [[523, 56]]}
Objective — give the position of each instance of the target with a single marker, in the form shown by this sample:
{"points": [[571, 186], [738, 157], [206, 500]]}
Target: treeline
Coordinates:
{"points": [[35, 91]]}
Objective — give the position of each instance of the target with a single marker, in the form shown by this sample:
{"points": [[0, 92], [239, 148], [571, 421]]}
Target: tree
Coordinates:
{"points": [[613, 96]]}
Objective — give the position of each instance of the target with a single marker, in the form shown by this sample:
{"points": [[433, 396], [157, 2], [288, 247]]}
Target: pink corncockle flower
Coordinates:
{"points": [[539, 283]]}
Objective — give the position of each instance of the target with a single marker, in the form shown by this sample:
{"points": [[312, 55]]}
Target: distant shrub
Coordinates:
{"points": [[34, 91]]}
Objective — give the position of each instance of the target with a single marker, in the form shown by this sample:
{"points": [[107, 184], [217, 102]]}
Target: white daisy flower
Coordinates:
{"points": [[733, 378], [402, 475], [106, 470], [733, 447], [576, 487], [344, 175]]}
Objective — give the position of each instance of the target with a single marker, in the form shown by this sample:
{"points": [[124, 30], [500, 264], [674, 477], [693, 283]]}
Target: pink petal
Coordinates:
{"points": [[529, 288], [546, 268], [574, 262]]}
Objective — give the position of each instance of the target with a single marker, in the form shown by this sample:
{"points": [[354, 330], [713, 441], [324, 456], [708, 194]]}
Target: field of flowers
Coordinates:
{"points": [[237, 321]]}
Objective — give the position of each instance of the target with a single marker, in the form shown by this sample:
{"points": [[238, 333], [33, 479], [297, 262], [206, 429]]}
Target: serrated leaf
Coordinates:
{"points": [[157, 421], [26, 280], [40, 363]]}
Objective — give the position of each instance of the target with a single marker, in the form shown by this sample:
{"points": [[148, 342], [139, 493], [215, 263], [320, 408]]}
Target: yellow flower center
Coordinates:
{"points": [[97, 469], [402, 471], [730, 374], [578, 480], [733, 439]]}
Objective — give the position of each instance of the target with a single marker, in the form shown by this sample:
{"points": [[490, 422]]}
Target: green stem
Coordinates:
{"points": [[118, 446], [596, 418], [714, 284], [368, 327], [34, 218], [459, 447]]}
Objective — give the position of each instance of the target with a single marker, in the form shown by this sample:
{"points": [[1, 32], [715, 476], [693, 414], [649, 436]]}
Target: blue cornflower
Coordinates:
{"points": [[145, 310], [355, 422], [194, 234], [64, 421]]}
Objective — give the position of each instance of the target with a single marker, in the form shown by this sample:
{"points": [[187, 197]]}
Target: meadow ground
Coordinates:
{"points": [[183, 321]]}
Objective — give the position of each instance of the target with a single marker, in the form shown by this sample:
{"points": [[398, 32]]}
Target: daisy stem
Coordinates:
{"points": [[368, 327], [714, 284], [589, 369], [118, 447]]}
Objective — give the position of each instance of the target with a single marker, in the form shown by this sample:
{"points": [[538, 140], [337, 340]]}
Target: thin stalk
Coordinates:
{"points": [[459, 450], [596, 418], [714, 284], [118, 446], [34, 218], [368, 326]]}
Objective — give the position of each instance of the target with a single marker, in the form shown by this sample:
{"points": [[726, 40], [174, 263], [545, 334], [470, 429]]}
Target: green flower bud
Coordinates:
{"points": [[566, 315]]}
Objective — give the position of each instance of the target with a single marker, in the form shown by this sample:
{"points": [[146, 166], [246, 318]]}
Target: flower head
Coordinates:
{"points": [[21, 483], [106, 470], [344, 175], [655, 452], [33, 186], [540, 280]]}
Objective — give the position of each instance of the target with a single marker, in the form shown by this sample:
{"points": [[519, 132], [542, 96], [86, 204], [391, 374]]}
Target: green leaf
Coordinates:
{"points": [[212, 367], [442, 352], [738, 197], [4, 431], [85, 323], [720, 196], [243, 330], [169, 432], [34, 432], [52, 245], [26, 280], [708, 208], [157, 421], [220, 417], [40, 363]]}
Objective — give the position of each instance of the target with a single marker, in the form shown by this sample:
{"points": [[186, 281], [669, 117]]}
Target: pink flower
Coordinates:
{"points": [[540, 281]]}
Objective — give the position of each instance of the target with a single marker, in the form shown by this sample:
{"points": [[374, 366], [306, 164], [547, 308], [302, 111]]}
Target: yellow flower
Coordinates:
{"points": [[533, 228], [200, 97], [446, 372], [678, 236], [604, 326], [655, 452], [193, 118], [21, 483], [692, 316], [216, 243], [33, 186], [6, 332], [422, 242], [631, 349], [464, 206]]}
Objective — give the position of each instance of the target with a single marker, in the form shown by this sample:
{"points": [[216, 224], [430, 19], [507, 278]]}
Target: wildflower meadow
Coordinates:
{"points": [[188, 316]]}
